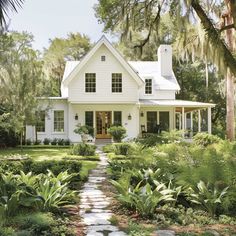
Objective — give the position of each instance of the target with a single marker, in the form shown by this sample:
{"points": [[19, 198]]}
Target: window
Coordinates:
{"points": [[164, 120], [103, 58], [89, 118], [151, 121], [116, 83], [58, 121], [90, 82], [117, 118], [40, 126], [148, 86]]}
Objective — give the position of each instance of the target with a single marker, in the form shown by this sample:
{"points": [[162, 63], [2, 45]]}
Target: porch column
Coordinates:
{"points": [[209, 119], [199, 121], [191, 121], [183, 120]]}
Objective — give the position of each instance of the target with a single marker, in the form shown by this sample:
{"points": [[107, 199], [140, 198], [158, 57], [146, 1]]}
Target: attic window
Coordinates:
{"points": [[148, 86], [103, 58]]}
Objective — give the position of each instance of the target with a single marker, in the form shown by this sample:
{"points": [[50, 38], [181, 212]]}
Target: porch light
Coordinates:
{"points": [[76, 116], [142, 114], [129, 117]]}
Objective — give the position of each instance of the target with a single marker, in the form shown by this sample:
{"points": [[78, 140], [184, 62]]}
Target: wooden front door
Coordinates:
{"points": [[103, 122]]}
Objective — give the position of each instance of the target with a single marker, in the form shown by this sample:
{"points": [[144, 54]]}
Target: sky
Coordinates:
{"points": [[47, 19]]}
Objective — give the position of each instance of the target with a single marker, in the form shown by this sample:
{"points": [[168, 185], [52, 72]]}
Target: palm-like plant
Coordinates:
{"points": [[207, 197], [6, 6]]}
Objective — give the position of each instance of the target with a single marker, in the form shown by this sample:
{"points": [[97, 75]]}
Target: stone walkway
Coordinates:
{"points": [[93, 203]]}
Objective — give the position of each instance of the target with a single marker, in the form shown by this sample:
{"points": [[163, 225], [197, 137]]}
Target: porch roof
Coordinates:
{"points": [[178, 104]]}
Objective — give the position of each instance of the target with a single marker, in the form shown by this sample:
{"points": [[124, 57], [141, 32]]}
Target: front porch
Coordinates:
{"points": [[165, 115]]}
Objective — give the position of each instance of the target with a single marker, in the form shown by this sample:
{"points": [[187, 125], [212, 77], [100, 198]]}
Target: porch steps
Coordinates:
{"points": [[102, 142]]}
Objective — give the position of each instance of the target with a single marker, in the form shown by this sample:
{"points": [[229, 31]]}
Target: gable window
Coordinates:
{"points": [[89, 118], [117, 118], [148, 86], [40, 126], [116, 86], [58, 121], [103, 58], [90, 82]]}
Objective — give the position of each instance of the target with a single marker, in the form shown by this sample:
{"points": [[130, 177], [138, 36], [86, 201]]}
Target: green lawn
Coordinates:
{"points": [[52, 153]]}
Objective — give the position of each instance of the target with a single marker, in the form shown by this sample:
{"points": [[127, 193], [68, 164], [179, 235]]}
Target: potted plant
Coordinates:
{"points": [[117, 133], [85, 131]]}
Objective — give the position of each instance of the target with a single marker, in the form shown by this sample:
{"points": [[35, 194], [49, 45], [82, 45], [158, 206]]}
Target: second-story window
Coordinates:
{"points": [[90, 82], [148, 86], [116, 86]]}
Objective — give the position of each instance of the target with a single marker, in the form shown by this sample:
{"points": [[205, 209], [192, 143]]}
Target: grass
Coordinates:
{"points": [[55, 153]]}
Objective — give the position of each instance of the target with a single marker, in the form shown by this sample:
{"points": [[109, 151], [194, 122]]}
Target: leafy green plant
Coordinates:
{"points": [[54, 141], [60, 141], [205, 139], [117, 133], [207, 197], [84, 129], [83, 149], [67, 142], [28, 142], [46, 141], [142, 198], [53, 190]]}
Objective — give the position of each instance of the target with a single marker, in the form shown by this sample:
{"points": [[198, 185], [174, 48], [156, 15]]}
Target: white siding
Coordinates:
{"points": [[49, 121], [103, 72], [157, 94], [132, 125]]}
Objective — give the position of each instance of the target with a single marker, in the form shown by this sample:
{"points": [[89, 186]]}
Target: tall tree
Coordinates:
{"points": [[74, 47], [5, 7], [21, 80], [209, 43]]}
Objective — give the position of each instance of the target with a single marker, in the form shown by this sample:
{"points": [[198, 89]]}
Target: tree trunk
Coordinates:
{"points": [[230, 85], [230, 106]]}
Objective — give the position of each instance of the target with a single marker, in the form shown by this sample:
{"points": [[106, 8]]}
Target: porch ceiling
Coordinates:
{"points": [[178, 104]]}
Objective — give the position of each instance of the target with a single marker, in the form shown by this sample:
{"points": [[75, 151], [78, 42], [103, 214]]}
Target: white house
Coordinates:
{"points": [[103, 88]]}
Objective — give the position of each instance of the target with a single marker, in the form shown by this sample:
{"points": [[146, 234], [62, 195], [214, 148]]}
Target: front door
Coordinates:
{"points": [[103, 122]]}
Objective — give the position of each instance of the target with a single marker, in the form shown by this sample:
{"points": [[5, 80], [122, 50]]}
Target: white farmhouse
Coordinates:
{"points": [[104, 89]]}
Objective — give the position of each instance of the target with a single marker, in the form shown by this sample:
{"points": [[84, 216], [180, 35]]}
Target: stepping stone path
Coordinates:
{"points": [[93, 203]]}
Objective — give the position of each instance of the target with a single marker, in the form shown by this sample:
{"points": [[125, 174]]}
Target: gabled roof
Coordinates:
{"points": [[79, 65], [147, 69]]}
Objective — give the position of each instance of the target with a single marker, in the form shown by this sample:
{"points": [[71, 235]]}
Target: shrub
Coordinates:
{"points": [[152, 140], [54, 141], [117, 132], [46, 141], [84, 129], [60, 141], [83, 149], [73, 166], [36, 223], [207, 197], [123, 149], [205, 139], [109, 148], [37, 142], [67, 142], [28, 142]]}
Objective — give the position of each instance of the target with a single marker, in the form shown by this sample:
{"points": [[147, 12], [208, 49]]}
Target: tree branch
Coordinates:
{"points": [[226, 27], [214, 38]]}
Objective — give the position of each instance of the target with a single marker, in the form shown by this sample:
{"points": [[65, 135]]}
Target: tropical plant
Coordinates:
{"points": [[117, 132], [207, 197], [83, 149], [205, 139], [142, 198], [6, 6], [53, 190]]}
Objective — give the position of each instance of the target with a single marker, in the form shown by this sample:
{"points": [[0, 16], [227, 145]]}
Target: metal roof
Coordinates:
{"points": [[174, 103]]}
